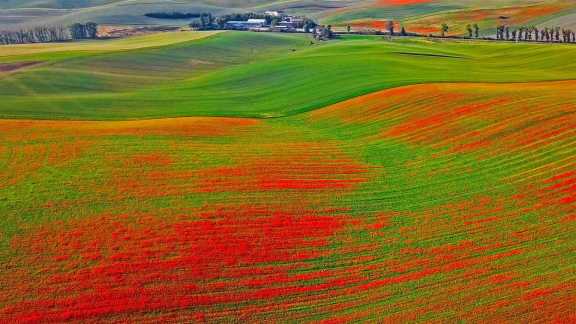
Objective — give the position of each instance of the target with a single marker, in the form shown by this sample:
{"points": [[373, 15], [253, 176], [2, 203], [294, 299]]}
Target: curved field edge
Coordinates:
{"points": [[122, 44], [288, 76], [435, 202]]}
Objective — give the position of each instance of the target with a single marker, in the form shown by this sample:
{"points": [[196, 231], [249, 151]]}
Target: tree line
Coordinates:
{"points": [[532, 33], [523, 33], [47, 34], [174, 15]]}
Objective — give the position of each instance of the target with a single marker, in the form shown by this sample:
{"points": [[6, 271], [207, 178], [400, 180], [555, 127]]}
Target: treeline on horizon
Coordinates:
{"points": [[48, 34], [174, 15]]}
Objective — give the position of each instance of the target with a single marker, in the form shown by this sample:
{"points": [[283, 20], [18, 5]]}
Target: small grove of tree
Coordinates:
{"points": [[568, 36], [532, 33], [47, 34], [43, 34], [84, 31], [323, 32], [204, 22], [473, 31], [309, 25]]}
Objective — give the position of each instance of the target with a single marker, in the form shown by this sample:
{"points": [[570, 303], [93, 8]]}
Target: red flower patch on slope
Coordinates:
{"points": [[111, 266], [297, 173]]}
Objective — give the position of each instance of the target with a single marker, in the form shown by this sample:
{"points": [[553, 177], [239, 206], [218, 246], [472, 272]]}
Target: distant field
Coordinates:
{"points": [[19, 52], [488, 19], [418, 15], [433, 202], [280, 74], [427, 16], [130, 12]]}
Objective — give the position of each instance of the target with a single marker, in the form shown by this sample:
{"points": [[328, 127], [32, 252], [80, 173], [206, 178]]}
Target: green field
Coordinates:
{"points": [[260, 177], [252, 75]]}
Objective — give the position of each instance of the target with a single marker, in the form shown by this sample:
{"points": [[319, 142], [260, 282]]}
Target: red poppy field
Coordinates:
{"points": [[425, 203]]}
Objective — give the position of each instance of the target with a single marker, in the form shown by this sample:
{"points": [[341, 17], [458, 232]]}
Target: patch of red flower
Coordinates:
{"points": [[296, 166], [112, 266]]}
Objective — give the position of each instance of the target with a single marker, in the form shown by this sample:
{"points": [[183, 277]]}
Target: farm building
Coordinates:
{"points": [[246, 25]]}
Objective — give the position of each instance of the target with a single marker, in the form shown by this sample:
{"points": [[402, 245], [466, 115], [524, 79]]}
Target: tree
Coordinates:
{"points": [[92, 30], [391, 27], [77, 31], [206, 22], [84, 31], [528, 33], [323, 33], [221, 22], [500, 32], [470, 31], [309, 25], [445, 29]]}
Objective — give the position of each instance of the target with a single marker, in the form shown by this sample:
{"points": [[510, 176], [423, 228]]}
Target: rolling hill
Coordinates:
{"points": [[422, 16], [434, 201], [253, 75], [243, 177]]}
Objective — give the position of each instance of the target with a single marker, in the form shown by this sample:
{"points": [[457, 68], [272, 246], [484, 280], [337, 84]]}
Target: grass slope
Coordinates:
{"points": [[417, 15], [281, 75], [433, 202], [120, 68]]}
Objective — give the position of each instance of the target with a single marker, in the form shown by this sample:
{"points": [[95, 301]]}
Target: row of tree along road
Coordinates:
{"points": [[503, 33], [47, 34], [532, 33]]}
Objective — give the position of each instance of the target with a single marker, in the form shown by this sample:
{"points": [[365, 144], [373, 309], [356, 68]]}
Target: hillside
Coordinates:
{"points": [[435, 202], [245, 177], [254, 75], [418, 15]]}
